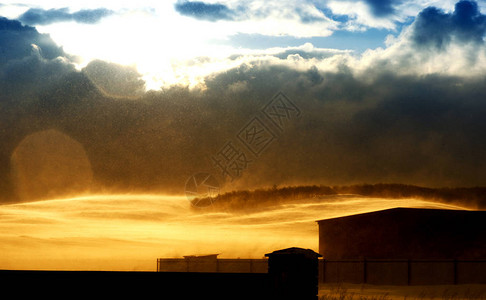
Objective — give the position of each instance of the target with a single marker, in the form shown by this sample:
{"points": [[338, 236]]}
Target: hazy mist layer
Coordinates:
{"points": [[129, 232]]}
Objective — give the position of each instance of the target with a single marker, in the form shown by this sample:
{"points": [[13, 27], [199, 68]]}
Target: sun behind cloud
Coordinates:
{"points": [[50, 164]]}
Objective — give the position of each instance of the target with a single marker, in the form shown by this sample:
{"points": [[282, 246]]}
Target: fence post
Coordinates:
{"points": [[365, 271], [323, 270], [455, 271], [409, 272]]}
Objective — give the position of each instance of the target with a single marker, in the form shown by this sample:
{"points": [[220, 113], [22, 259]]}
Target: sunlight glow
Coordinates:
{"points": [[158, 45], [129, 232]]}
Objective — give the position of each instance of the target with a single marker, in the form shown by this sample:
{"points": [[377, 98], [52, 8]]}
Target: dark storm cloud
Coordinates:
{"points": [[30, 63], [38, 16], [425, 131], [16, 42], [29, 60], [381, 127], [204, 11], [394, 129], [436, 28]]}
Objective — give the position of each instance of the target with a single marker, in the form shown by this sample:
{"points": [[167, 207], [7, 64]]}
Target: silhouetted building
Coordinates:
{"points": [[405, 233], [293, 274], [211, 263]]}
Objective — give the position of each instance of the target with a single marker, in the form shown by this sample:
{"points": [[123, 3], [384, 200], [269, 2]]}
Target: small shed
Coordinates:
{"points": [[293, 273]]}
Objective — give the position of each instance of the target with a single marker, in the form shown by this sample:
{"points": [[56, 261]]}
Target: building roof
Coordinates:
{"points": [[201, 257], [408, 210], [293, 251]]}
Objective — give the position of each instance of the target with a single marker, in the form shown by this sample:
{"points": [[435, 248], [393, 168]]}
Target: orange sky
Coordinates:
{"points": [[129, 232]]}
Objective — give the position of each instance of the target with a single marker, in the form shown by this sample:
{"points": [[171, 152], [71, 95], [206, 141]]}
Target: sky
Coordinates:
{"points": [[140, 96]]}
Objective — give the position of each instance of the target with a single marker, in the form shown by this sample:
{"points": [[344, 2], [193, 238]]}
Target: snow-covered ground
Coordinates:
{"points": [[347, 291]]}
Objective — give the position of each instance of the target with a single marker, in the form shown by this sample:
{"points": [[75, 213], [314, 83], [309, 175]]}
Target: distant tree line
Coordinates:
{"points": [[472, 197]]}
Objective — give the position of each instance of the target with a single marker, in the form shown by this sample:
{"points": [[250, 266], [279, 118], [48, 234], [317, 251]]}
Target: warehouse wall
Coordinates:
{"points": [[403, 272], [405, 233]]}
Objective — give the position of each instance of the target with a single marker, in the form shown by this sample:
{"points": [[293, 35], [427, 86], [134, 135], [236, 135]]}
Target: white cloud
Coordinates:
{"points": [[403, 55], [167, 47]]}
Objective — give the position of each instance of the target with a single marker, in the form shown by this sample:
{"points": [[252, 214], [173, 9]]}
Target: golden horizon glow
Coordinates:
{"points": [[127, 232]]}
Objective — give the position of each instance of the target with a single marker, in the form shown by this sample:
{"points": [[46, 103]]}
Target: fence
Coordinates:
{"points": [[403, 272], [225, 265], [376, 271]]}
